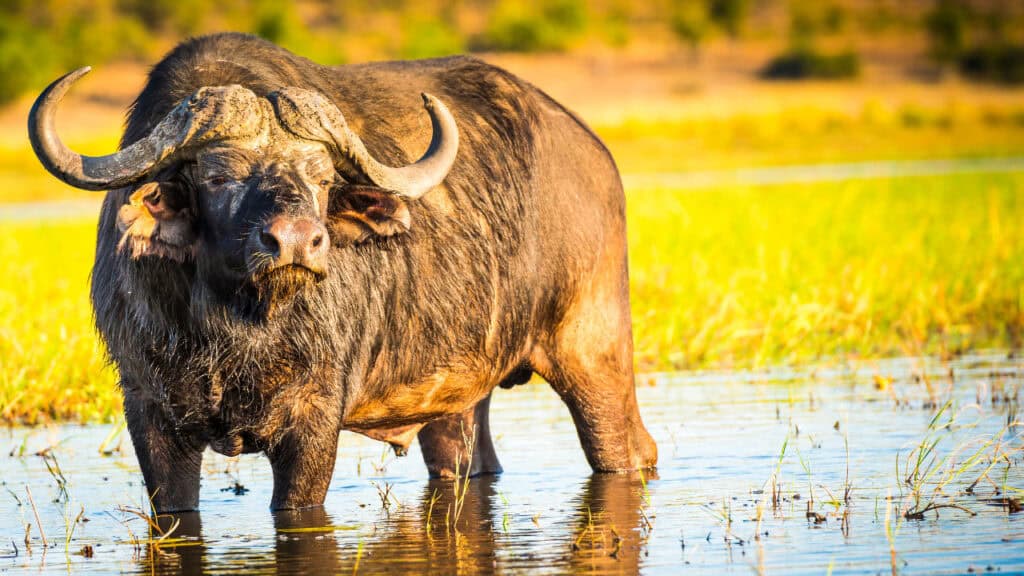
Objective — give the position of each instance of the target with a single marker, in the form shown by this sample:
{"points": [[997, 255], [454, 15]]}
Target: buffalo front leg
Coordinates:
{"points": [[170, 462], [303, 451], [460, 441]]}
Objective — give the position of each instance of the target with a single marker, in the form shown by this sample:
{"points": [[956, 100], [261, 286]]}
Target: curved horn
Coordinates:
{"points": [[211, 113], [295, 107]]}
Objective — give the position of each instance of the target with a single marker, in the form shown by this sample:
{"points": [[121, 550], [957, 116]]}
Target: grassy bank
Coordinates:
{"points": [[735, 277], [788, 274], [51, 363]]}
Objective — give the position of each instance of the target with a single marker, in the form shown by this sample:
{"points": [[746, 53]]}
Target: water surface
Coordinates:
{"points": [[720, 436]]}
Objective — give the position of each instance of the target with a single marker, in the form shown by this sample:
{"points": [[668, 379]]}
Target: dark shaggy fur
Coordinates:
{"points": [[531, 227]]}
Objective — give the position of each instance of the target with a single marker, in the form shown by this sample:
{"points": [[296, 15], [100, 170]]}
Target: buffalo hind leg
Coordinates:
{"points": [[589, 361], [602, 400], [603, 405], [170, 463], [444, 443]]}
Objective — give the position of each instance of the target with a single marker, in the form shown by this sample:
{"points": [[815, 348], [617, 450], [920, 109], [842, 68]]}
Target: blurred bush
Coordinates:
{"points": [[803, 58], [729, 15], [982, 39], [999, 63], [24, 58], [183, 17], [809, 63], [946, 25], [691, 22], [41, 38], [426, 38], [550, 25]]}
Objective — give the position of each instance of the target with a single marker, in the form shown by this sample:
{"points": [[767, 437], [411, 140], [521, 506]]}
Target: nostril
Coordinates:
{"points": [[269, 241], [317, 240]]}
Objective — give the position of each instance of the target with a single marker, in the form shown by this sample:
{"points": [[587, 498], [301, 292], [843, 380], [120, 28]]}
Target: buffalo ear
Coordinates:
{"points": [[358, 213], [157, 221]]}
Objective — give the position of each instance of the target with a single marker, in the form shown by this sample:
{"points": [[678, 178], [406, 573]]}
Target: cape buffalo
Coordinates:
{"points": [[274, 265]]}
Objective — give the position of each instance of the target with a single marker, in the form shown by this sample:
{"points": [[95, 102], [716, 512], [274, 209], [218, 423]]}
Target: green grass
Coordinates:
{"points": [[23, 179], [789, 274], [721, 278], [52, 366]]}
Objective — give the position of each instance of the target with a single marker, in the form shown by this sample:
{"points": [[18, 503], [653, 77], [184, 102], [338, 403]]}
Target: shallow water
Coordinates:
{"points": [[720, 436]]}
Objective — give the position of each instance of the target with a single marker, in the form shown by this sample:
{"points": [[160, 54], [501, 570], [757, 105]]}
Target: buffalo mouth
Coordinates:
{"points": [[278, 286], [287, 276], [288, 273]]}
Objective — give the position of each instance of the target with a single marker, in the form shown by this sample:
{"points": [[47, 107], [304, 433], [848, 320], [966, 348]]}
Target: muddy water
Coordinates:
{"points": [[720, 436]]}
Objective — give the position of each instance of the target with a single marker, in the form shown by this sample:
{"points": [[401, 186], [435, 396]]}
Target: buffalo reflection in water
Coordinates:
{"points": [[604, 530]]}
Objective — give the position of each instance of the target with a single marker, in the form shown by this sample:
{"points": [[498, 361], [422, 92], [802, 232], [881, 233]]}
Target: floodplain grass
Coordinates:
{"points": [[52, 365], [736, 277], [751, 276], [23, 179]]}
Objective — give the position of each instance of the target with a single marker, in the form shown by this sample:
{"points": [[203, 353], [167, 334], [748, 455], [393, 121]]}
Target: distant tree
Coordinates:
{"points": [[424, 37], [804, 23], [807, 21], [616, 23], [25, 60], [946, 25], [803, 59], [728, 15], [183, 17], [567, 16], [834, 18], [550, 25], [690, 22]]}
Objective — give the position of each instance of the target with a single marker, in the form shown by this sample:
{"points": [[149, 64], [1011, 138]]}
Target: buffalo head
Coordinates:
{"points": [[252, 190]]}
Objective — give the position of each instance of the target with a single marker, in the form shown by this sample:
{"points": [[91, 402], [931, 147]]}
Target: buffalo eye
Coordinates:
{"points": [[326, 182], [217, 181]]}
